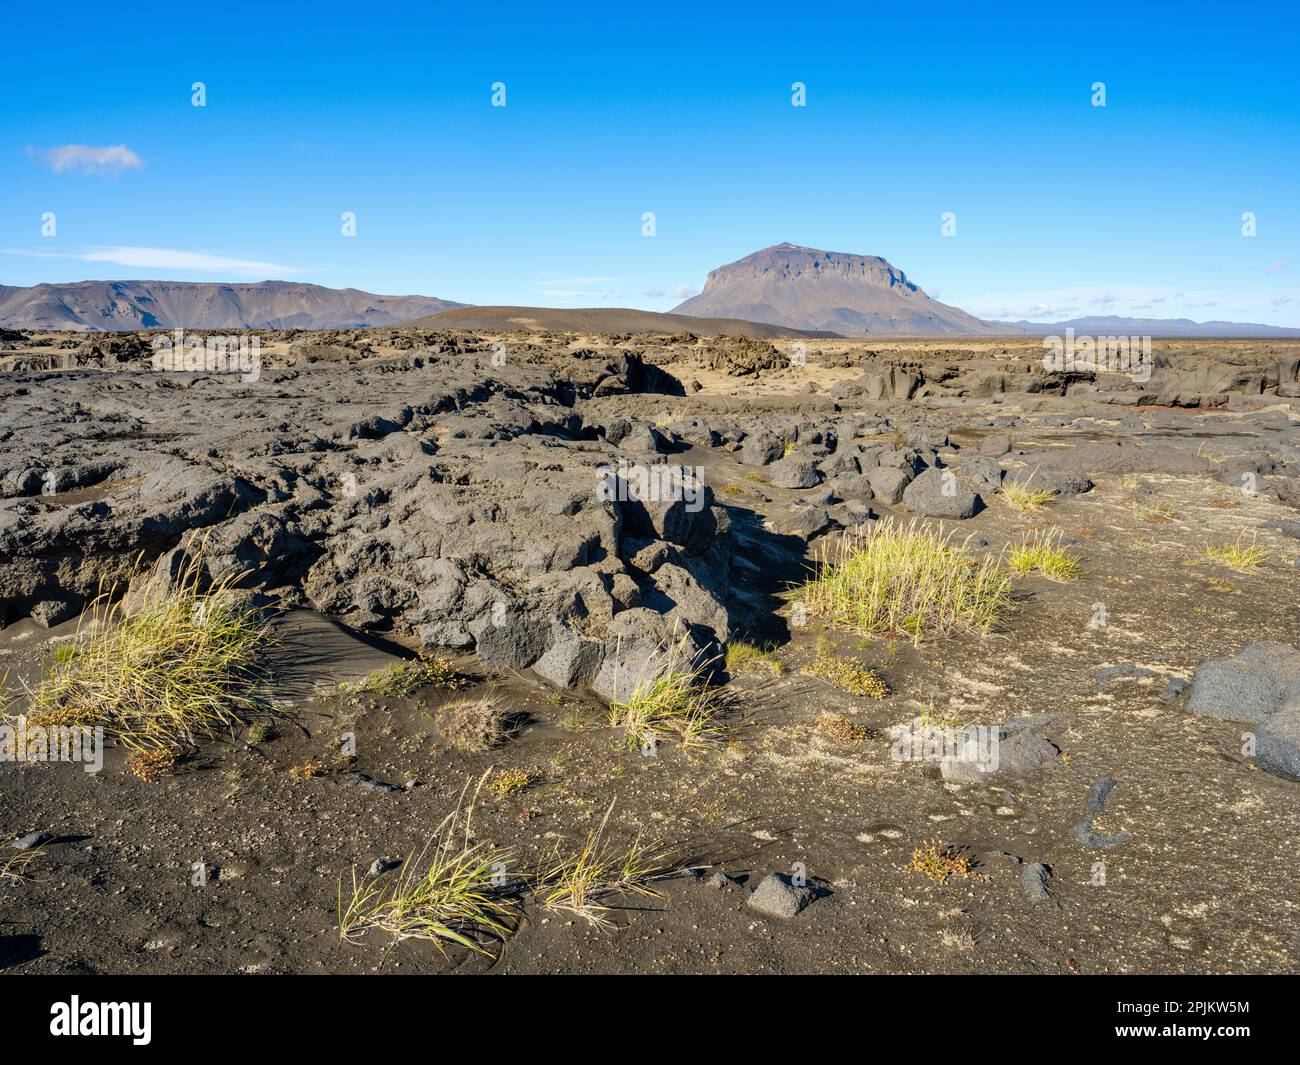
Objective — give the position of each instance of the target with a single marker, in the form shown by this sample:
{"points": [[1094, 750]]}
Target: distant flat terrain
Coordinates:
{"points": [[603, 320]]}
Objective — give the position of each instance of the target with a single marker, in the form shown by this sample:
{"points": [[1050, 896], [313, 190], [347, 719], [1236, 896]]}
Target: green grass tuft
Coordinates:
{"points": [[179, 671], [907, 579], [1238, 556], [1043, 555]]}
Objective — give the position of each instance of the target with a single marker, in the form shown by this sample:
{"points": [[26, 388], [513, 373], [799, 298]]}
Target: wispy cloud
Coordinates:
{"points": [[685, 292], [164, 259], [87, 159], [1273, 268]]}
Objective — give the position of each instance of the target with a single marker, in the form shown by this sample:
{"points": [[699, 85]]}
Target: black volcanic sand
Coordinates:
{"points": [[458, 464]]}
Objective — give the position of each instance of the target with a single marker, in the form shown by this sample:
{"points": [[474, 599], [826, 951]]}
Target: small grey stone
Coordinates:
{"points": [[888, 482], [1277, 743], [721, 881], [382, 865], [367, 783], [939, 494], [778, 896], [31, 840], [794, 471], [1248, 687], [1034, 878], [51, 612]]}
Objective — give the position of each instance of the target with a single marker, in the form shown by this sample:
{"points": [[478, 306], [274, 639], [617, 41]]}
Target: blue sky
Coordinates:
{"points": [[1062, 208]]}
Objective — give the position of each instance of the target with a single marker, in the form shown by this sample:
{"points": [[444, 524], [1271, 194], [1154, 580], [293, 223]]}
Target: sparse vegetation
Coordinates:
{"points": [[733, 489], [849, 674], [403, 679], [1238, 556], [510, 782], [16, 867], [1043, 554], [582, 883], [1022, 499], [178, 671], [454, 891], [677, 701], [307, 770], [742, 656], [474, 724], [940, 863], [844, 731], [908, 579], [1159, 514], [152, 764]]}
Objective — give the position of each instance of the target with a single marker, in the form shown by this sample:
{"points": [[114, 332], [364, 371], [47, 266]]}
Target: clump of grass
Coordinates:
{"points": [[742, 656], [152, 764], [849, 674], [476, 724], [908, 579], [582, 883], [15, 868], [788, 447], [1022, 499], [402, 679], [676, 702], [1238, 556], [1160, 514], [180, 670], [510, 782], [733, 489], [940, 863], [842, 730], [1042, 554], [307, 770], [1221, 502], [259, 732], [455, 891]]}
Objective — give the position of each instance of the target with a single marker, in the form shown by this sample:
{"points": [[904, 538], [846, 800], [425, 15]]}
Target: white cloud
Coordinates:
{"points": [[685, 292], [1272, 268], [165, 259], [87, 159]]}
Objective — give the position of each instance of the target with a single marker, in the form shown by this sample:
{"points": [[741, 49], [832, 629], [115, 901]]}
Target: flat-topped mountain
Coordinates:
{"points": [[128, 305], [603, 320], [806, 288]]}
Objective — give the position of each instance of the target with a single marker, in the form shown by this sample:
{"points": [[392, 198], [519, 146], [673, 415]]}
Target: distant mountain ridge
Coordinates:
{"points": [[1117, 325], [838, 292], [128, 305]]}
